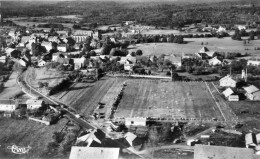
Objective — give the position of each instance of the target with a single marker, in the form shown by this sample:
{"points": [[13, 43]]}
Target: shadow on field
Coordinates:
{"points": [[78, 88], [186, 42], [131, 47]]}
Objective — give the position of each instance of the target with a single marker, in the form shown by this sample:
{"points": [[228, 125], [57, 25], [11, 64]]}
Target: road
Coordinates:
{"points": [[83, 123], [71, 115]]}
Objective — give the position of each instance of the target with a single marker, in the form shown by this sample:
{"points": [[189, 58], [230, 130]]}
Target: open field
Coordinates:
{"points": [[194, 45], [152, 98], [52, 77], [11, 89], [248, 113], [248, 107], [30, 23], [84, 97], [26, 133]]}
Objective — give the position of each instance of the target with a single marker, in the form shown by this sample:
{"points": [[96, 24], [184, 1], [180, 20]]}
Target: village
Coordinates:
{"points": [[130, 90]]}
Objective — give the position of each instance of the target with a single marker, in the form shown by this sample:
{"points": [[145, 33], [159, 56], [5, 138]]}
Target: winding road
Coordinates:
{"points": [[23, 83]]}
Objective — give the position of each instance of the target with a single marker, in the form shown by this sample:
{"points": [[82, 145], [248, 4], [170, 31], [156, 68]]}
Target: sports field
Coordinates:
{"points": [[153, 98]]}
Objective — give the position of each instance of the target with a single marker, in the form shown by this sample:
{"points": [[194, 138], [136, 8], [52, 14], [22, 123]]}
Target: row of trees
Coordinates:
{"points": [[240, 33]]}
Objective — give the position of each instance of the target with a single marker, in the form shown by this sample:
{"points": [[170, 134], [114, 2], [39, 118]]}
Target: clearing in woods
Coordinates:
{"points": [[154, 98]]}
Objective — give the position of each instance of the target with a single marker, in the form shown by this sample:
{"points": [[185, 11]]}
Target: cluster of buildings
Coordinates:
{"points": [[9, 106], [251, 91]]}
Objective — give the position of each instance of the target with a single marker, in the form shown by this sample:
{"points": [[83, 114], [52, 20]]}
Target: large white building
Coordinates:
{"points": [[8, 105], [227, 81], [34, 104], [253, 62]]}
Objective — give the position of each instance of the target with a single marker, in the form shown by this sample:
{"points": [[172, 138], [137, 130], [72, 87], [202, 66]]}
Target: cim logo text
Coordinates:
{"points": [[19, 149]]}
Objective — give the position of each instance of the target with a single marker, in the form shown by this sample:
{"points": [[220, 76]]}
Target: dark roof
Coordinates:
{"points": [[100, 134]]}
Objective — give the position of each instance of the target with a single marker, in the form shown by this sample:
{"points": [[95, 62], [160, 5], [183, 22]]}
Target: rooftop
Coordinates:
{"points": [[35, 102], [228, 92], [7, 101], [93, 153], [251, 89], [221, 152]]}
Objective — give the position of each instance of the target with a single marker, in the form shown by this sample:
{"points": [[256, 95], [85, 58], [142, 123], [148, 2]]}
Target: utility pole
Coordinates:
{"points": [[1, 15], [246, 75]]}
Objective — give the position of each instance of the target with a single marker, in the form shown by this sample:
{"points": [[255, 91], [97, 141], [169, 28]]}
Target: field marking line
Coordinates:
{"points": [[215, 101], [215, 87], [227, 107]]}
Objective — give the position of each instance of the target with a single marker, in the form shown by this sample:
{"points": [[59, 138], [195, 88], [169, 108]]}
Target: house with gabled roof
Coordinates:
{"points": [[175, 60], [229, 94], [205, 53], [128, 62], [252, 92], [215, 61], [227, 81], [8, 105], [34, 104], [132, 140], [92, 139]]}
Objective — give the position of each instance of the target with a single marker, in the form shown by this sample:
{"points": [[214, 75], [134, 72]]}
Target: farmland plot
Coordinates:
{"points": [[152, 98], [194, 45], [84, 97]]}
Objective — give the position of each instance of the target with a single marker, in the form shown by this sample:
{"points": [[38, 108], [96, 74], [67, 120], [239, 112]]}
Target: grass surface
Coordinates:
{"points": [[84, 97], [194, 45], [26, 133], [147, 98], [11, 89]]}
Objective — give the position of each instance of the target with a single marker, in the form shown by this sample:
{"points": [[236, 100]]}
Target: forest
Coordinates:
{"points": [[160, 14]]}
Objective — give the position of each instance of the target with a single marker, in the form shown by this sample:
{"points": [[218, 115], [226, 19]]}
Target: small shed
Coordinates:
{"points": [[41, 63], [233, 98], [250, 140]]}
